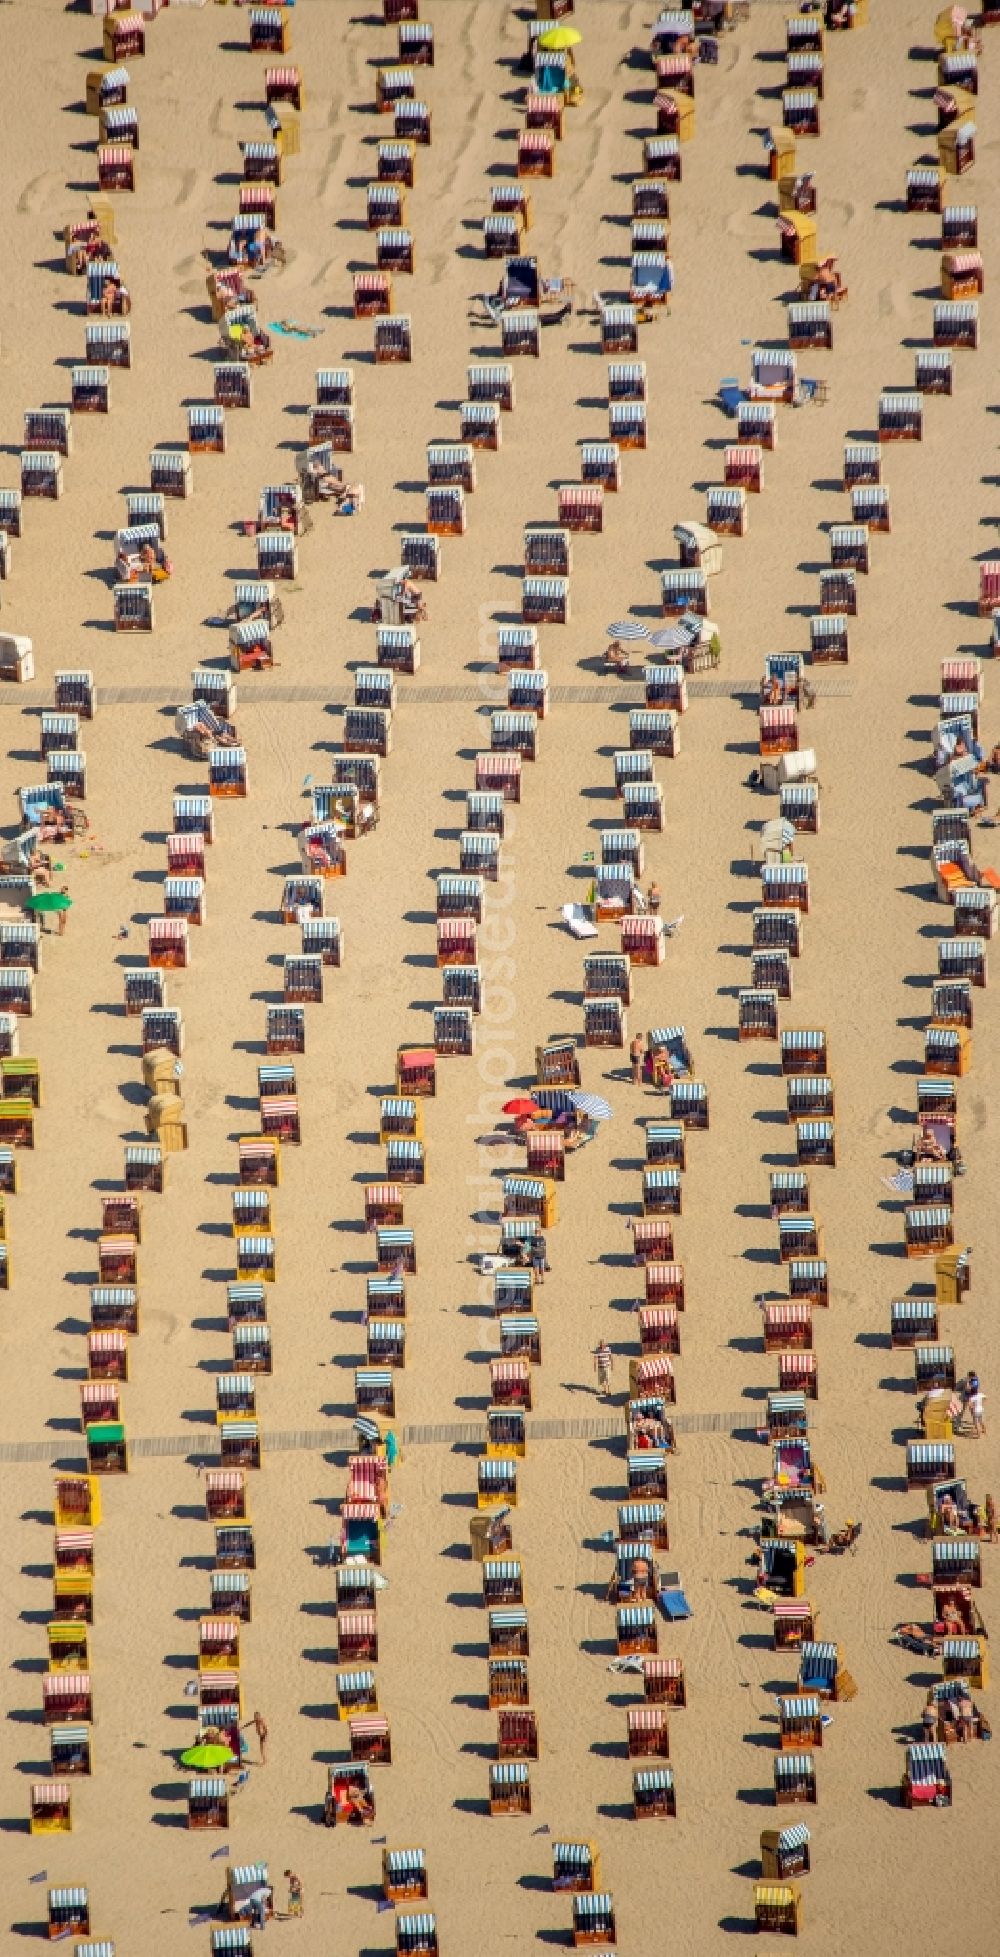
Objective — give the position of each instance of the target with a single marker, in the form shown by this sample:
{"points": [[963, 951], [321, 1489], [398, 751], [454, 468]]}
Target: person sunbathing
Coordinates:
{"points": [[154, 564], [663, 1077], [915, 1639]]}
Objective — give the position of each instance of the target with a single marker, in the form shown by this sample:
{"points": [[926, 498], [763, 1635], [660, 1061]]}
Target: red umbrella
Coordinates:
{"points": [[520, 1107]]}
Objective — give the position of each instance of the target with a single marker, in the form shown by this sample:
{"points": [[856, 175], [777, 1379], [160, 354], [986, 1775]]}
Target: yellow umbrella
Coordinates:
{"points": [[559, 37]]}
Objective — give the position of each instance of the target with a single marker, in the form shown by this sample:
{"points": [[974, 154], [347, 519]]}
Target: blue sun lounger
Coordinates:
{"points": [[672, 1600]]}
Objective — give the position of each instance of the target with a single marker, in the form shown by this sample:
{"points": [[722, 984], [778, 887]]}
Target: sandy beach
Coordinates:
{"points": [[865, 976]]}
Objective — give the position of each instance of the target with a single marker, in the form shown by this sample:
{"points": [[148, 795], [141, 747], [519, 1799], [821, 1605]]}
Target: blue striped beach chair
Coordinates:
{"points": [[510, 1787], [404, 1874]]}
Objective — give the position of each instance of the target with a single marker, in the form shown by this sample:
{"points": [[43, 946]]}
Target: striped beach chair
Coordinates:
{"points": [[653, 1793], [794, 1779], [404, 1874], [510, 1788], [900, 418], [926, 1779]]}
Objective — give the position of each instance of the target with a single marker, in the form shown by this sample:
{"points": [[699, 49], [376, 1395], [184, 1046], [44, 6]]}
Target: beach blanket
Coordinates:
{"points": [[291, 330], [901, 1182]]}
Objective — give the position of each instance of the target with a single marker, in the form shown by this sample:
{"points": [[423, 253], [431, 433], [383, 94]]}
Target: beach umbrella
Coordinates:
{"points": [[521, 1106], [48, 900], [671, 639], [560, 37], [593, 1105], [208, 1754], [627, 628]]}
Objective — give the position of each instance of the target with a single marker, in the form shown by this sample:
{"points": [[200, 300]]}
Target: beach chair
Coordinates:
{"points": [[756, 1014], [809, 1280], [800, 112], [270, 32], [928, 1230], [412, 121], [962, 274], [777, 1906], [70, 1750], [404, 1874], [900, 418], [926, 1778], [68, 1910], [116, 167], [648, 1735], [959, 233], [773, 375], [393, 339], [779, 148], [794, 1779], [653, 1793], [496, 1480], [956, 142], [170, 472], [393, 84], [956, 324], [510, 1788], [395, 163], [797, 237], [386, 207], [41, 473], [726, 511], [536, 155], [594, 1920], [619, 325]]}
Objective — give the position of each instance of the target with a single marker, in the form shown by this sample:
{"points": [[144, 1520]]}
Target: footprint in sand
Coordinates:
{"points": [[39, 192], [894, 302]]}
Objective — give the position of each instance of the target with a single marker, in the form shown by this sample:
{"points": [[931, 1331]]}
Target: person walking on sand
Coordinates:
{"points": [[654, 898], [259, 1724], [295, 1893], [635, 1053], [604, 1367], [977, 1408]]}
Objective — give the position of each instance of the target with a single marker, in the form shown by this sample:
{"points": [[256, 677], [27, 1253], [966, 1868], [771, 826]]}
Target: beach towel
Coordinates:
{"points": [[901, 1182], [291, 330]]}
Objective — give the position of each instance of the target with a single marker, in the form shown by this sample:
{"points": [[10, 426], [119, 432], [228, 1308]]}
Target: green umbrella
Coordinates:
{"points": [[207, 1755], [48, 900]]}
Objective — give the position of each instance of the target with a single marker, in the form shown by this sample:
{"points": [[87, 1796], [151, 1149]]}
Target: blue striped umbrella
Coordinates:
{"points": [[627, 628], [592, 1104]]}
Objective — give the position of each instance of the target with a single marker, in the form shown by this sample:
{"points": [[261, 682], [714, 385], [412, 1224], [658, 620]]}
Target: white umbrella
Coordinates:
{"points": [[593, 1105]]}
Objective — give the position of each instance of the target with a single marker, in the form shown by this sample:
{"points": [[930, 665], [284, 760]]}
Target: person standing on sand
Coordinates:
{"points": [[977, 1408], [259, 1724], [603, 1367], [61, 916], [295, 1893], [635, 1053]]}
